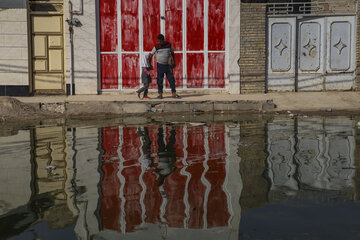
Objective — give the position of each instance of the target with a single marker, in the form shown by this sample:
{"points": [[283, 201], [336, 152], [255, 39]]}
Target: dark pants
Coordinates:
{"points": [[146, 80], [167, 155], [168, 149], [163, 69]]}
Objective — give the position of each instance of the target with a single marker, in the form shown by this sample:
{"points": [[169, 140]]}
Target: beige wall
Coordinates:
{"points": [[85, 56], [13, 47], [87, 175]]}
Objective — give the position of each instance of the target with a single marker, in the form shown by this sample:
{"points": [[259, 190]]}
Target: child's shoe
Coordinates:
{"points": [[147, 97], [138, 94]]}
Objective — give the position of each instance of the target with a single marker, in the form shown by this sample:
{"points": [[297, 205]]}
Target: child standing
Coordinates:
{"points": [[145, 75]]}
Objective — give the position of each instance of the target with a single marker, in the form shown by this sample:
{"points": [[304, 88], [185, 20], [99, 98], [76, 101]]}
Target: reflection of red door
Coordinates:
{"points": [[195, 191], [110, 211], [217, 205], [130, 151], [196, 29], [174, 185], [152, 198]]}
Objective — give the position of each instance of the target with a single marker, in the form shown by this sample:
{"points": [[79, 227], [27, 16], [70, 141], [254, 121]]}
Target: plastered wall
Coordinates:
{"points": [[13, 46], [85, 50]]}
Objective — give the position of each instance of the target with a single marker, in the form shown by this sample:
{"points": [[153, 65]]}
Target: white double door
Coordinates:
{"points": [[311, 54]]}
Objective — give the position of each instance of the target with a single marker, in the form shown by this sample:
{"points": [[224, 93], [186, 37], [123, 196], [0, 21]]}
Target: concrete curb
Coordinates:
{"points": [[128, 108]]}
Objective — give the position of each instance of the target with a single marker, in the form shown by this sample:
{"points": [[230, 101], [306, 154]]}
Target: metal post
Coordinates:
{"points": [[71, 30]]}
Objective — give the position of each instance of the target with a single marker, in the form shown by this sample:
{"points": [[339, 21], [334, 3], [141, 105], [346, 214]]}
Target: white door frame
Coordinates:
{"points": [[184, 51]]}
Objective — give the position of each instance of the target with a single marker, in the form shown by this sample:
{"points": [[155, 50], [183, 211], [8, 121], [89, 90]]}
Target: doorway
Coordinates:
{"points": [[314, 53], [47, 48], [195, 28]]}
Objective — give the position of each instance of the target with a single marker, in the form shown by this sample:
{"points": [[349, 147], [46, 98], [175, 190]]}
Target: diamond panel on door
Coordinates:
{"points": [[281, 58], [341, 51], [310, 46], [280, 47], [326, 53], [340, 46], [311, 50]]}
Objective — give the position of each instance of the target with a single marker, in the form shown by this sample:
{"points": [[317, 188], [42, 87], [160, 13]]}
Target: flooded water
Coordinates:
{"points": [[277, 178]]}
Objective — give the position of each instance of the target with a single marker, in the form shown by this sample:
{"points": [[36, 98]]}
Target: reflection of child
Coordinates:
{"points": [[147, 160], [145, 75], [167, 155]]}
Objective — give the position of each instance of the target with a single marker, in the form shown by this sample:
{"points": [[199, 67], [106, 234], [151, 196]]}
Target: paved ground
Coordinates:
{"points": [[299, 101]]}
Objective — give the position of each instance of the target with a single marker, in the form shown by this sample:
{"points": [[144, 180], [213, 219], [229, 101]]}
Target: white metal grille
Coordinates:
{"points": [[312, 8]]}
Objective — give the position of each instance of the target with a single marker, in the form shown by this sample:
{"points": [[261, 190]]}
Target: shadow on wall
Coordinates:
{"points": [[4, 4]]}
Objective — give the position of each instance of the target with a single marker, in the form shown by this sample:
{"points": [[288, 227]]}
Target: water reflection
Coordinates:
{"points": [[172, 175], [314, 153], [172, 181], [30, 193]]}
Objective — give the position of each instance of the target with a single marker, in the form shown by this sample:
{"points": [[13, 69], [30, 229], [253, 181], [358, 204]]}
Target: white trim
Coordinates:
{"points": [[203, 178], [142, 195], [162, 14], [214, 51], [188, 178], [119, 45], [206, 44], [161, 188], [98, 46], [141, 36], [142, 183], [227, 167], [184, 44], [227, 44], [122, 180]]}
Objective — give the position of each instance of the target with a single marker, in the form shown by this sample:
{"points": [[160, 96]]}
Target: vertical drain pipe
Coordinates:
{"points": [[73, 22], [71, 30]]}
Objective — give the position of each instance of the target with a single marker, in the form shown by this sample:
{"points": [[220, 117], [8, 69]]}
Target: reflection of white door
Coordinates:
{"points": [[311, 50], [325, 50]]}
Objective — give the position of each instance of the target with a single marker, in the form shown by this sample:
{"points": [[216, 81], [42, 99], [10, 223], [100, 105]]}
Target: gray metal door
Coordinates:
{"points": [[281, 55], [325, 58], [341, 50], [311, 54]]}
